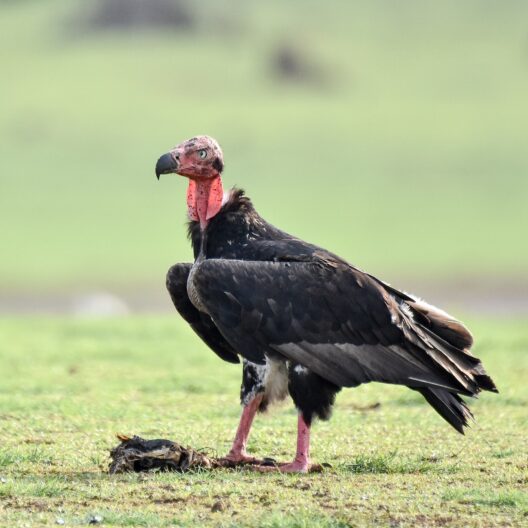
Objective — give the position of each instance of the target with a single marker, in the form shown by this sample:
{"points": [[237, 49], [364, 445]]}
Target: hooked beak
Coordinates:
{"points": [[166, 164]]}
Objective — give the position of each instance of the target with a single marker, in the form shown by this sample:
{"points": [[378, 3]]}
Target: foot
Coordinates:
{"points": [[297, 466], [241, 457]]}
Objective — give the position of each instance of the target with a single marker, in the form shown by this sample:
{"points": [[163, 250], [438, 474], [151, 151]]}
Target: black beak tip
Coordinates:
{"points": [[165, 165]]}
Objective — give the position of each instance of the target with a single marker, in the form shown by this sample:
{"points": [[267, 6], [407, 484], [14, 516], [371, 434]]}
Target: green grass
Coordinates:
{"points": [[411, 160], [68, 386]]}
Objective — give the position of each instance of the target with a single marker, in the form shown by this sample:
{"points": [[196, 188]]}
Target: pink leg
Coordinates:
{"points": [[238, 449], [301, 463]]}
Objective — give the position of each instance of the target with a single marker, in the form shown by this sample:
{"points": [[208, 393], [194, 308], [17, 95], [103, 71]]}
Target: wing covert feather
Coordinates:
{"points": [[332, 319]]}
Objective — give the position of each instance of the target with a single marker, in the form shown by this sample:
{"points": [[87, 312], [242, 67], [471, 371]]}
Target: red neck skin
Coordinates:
{"points": [[204, 199]]}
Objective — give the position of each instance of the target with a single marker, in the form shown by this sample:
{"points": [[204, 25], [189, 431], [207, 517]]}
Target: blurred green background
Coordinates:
{"points": [[393, 133]]}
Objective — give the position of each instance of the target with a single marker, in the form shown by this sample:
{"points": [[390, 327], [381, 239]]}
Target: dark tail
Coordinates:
{"points": [[455, 341], [447, 342], [451, 407]]}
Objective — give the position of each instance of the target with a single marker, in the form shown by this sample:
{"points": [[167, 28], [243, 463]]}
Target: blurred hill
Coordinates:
{"points": [[134, 14], [392, 133]]}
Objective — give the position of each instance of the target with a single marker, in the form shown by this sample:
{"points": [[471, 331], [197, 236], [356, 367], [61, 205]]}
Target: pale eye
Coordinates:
{"points": [[202, 153]]}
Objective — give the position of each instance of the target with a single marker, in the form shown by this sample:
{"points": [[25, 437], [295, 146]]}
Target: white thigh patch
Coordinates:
{"points": [[276, 380]]}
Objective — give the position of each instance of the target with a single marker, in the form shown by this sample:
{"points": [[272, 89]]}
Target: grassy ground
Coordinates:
{"points": [[68, 386]]}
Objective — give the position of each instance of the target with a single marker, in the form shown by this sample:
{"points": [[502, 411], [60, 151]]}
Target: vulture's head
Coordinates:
{"points": [[201, 160], [198, 158]]}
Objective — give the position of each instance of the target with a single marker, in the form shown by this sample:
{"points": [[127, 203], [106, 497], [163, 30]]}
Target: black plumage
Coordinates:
{"points": [[200, 322], [270, 297]]}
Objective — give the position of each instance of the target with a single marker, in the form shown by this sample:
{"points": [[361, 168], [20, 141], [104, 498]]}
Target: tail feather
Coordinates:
{"points": [[442, 324], [452, 340], [485, 382], [449, 341], [451, 407]]}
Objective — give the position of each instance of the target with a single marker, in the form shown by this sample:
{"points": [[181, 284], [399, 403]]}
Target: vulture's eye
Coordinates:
{"points": [[202, 153]]}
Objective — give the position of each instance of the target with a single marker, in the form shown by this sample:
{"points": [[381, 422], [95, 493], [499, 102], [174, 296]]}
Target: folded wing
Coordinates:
{"points": [[336, 321]]}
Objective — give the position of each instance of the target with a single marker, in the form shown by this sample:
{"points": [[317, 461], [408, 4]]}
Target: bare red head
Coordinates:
{"points": [[201, 160]]}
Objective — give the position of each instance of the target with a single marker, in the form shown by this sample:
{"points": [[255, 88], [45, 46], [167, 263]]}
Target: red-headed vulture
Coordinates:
{"points": [[304, 321]]}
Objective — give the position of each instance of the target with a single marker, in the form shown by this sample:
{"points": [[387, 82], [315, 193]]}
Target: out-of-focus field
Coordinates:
{"points": [[69, 386], [403, 147]]}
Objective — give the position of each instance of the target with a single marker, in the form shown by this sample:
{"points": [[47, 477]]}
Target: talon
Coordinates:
{"points": [[266, 461]]}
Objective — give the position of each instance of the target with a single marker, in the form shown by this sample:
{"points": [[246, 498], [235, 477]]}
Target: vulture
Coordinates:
{"points": [[304, 321]]}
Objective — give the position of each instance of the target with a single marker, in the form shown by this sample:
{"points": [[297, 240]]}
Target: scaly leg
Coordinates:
{"points": [[238, 450], [301, 463]]}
